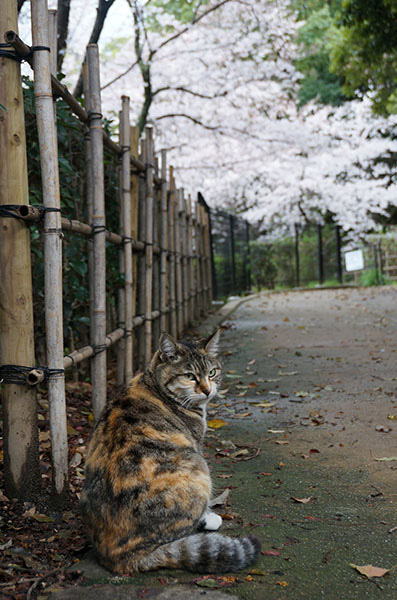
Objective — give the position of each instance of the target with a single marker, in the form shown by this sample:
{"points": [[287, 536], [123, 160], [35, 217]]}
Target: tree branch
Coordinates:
{"points": [[63, 11], [183, 89], [170, 39], [102, 11], [196, 121]]}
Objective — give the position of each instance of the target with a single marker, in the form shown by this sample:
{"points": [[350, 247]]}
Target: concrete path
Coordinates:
{"points": [[309, 408]]}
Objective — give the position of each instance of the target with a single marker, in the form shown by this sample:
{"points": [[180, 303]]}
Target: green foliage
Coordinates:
{"points": [[365, 53], [263, 267], [316, 39], [72, 173], [372, 277]]}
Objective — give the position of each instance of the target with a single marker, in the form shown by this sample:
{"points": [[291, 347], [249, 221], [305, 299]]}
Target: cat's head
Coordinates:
{"points": [[189, 372]]}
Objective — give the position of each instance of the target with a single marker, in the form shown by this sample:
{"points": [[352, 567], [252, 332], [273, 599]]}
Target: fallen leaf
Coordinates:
{"points": [[221, 499], [224, 476], [270, 553], [3, 498], [252, 384], [392, 417], [290, 374], [275, 430], [263, 404], [370, 571], [216, 423], [314, 451], [282, 583], [386, 459], [257, 572], [252, 362], [301, 500], [72, 431], [240, 452], [281, 442]]}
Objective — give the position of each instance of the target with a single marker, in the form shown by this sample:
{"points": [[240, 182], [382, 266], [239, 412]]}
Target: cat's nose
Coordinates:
{"points": [[205, 390]]}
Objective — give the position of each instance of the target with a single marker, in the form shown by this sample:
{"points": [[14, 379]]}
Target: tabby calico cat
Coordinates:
{"points": [[147, 485]]}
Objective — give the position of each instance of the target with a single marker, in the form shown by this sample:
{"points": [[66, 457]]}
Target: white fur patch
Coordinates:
{"points": [[212, 521]]}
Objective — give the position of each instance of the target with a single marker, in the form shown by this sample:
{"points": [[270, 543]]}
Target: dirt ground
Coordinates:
{"points": [[309, 408]]}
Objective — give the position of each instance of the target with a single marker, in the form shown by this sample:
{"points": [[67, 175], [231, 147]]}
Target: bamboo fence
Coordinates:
{"points": [[163, 240]]}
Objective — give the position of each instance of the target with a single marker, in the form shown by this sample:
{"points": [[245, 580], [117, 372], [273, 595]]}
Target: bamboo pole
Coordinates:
{"points": [[134, 143], [120, 350], [98, 327], [149, 243], [21, 453], [199, 278], [185, 286], [156, 261], [178, 269], [190, 264], [202, 261], [86, 229], [52, 246], [172, 256], [141, 279], [126, 206], [207, 252], [163, 242]]}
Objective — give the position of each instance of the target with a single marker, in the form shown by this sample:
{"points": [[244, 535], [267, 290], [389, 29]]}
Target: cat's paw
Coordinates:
{"points": [[211, 521]]}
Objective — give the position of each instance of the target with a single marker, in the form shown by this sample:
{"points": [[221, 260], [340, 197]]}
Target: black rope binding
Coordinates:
{"points": [[94, 115], [17, 374], [99, 348], [97, 229], [12, 55], [10, 210]]}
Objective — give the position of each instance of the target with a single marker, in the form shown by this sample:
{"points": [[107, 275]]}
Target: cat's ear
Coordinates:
{"points": [[168, 347], [211, 345]]}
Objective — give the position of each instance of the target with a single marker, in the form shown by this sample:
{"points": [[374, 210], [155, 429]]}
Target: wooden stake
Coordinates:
{"points": [[172, 259], [52, 245], [98, 326], [207, 259], [21, 454], [149, 243], [163, 242], [126, 206]]}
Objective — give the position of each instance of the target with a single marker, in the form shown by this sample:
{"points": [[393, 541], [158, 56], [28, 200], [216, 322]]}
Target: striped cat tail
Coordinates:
{"points": [[204, 553]]}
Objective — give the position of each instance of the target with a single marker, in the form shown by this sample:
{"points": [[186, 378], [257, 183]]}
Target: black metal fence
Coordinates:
{"points": [[230, 237]]}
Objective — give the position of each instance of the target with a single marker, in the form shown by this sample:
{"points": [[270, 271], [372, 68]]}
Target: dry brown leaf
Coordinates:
{"points": [[301, 500], [370, 571]]}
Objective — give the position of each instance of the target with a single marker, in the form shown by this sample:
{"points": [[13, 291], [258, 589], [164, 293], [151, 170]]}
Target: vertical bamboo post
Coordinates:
{"points": [[156, 262], [185, 288], [52, 233], [98, 326], [21, 453], [149, 244], [163, 242], [126, 205], [202, 261], [89, 196], [172, 255], [190, 265], [141, 280], [120, 350], [207, 259], [199, 279], [178, 274], [134, 144], [53, 44]]}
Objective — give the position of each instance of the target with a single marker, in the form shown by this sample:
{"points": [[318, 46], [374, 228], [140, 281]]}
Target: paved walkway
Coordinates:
{"points": [[311, 384]]}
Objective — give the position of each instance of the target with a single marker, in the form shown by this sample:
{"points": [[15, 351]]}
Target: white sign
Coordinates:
{"points": [[354, 260]]}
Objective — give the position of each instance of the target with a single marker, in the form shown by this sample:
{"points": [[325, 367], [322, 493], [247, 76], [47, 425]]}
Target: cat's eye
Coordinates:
{"points": [[190, 376], [212, 373]]}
